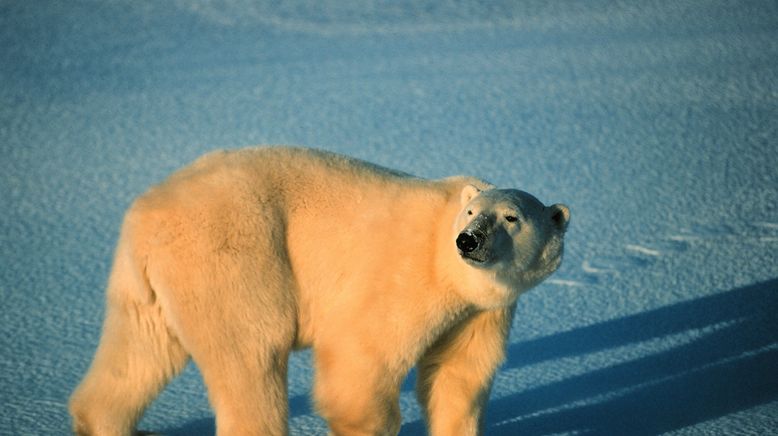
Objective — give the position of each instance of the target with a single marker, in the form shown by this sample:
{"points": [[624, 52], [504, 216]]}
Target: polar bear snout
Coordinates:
{"points": [[469, 240], [473, 240]]}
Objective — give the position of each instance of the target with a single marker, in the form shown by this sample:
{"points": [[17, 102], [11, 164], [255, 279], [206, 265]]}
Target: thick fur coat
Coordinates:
{"points": [[246, 255]]}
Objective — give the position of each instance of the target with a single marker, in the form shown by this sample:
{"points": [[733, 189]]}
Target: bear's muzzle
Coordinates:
{"points": [[473, 240], [469, 240]]}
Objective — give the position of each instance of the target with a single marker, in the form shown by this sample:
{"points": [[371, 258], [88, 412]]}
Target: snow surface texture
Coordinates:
{"points": [[656, 121]]}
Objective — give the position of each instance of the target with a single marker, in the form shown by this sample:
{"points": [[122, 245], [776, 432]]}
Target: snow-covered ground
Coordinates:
{"points": [[655, 121]]}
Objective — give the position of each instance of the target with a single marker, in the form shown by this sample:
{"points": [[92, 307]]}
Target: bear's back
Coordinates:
{"points": [[229, 189]]}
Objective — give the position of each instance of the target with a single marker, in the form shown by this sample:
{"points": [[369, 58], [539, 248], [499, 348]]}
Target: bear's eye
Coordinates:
{"points": [[511, 218], [469, 212]]}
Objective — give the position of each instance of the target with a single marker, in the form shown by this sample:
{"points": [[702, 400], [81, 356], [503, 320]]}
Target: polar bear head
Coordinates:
{"points": [[508, 240]]}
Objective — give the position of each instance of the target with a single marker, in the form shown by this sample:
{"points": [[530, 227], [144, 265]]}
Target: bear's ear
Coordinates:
{"points": [[560, 216], [468, 193]]}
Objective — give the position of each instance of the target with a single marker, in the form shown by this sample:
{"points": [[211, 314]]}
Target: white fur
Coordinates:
{"points": [[243, 256]]}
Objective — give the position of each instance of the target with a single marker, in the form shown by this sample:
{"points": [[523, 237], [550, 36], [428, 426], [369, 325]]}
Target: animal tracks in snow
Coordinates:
{"points": [[629, 257], [612, 264], [760, 232], [635, 256], [700, 232], [768, 232], [618, 260], [643, 250]]}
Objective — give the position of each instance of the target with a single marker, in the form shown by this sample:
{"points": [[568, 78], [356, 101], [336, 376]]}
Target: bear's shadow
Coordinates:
{"points": [[727, 364]]}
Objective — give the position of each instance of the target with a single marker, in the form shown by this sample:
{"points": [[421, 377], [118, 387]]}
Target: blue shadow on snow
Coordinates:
{"points": [[729, 366]]}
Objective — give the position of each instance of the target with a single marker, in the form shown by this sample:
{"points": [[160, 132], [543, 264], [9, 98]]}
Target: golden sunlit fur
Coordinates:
{"points": [[246, 255]]}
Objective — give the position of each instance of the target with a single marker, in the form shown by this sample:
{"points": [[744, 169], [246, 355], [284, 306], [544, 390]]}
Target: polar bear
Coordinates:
{"points": [[246, 255]]}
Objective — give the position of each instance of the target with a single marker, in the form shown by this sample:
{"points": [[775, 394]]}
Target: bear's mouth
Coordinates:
{"points": [[478, 258]]}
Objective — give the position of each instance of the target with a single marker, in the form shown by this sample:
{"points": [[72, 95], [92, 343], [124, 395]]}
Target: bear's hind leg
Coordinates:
{"points": [[247, 391], [237, 320], [136, 357]]}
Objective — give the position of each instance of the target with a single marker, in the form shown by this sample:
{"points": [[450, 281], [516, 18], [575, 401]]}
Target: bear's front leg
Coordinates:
{"points": [[356, 393], [455, 374]]}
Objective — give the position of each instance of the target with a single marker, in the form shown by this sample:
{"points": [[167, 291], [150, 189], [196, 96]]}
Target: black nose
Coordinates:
{"points": [[468, 241]]}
